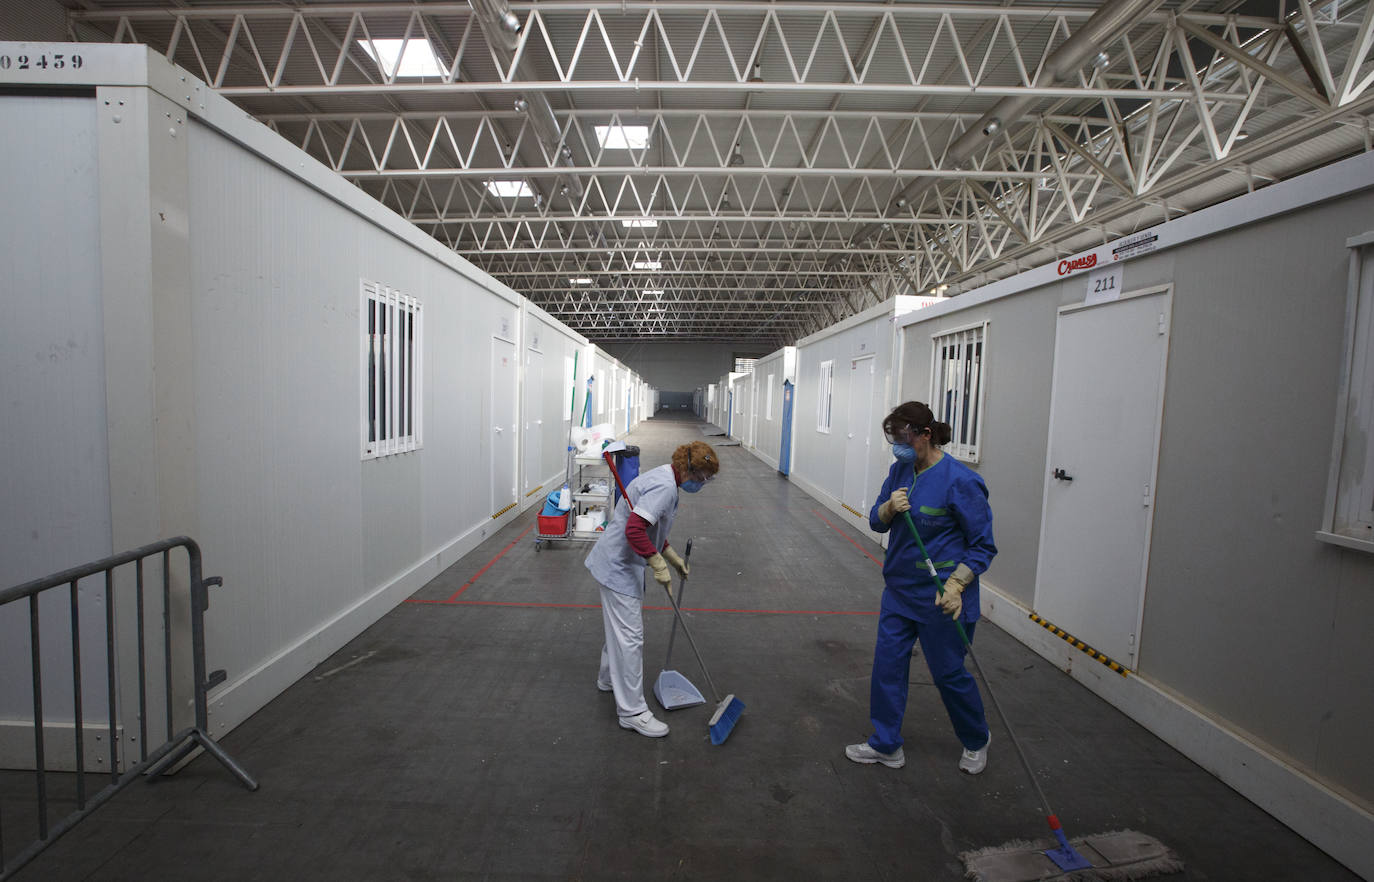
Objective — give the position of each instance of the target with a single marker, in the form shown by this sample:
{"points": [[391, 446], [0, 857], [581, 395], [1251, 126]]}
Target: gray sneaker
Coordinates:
{"points": [[863, 753], [974, 761]]}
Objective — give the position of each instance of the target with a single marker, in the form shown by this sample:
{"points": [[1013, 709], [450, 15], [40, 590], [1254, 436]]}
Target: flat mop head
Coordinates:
{"points": [[1123, 854], [675, 691]]}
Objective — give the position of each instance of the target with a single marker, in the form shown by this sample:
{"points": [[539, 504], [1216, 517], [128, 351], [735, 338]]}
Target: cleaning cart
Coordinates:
{"points": [[590, 486]]}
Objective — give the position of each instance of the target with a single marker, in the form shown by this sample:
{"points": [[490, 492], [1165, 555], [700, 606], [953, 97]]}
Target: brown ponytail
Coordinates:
{"points": [[919, 417]]}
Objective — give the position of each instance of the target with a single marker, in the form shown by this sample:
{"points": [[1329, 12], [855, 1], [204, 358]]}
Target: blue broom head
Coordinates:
{"points": [[724, 719]]}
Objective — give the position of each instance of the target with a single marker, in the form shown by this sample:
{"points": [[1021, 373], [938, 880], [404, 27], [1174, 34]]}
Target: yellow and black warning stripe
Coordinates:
{"points": [[535, 490], [1081, 646], [504, 510], [857, 514]]}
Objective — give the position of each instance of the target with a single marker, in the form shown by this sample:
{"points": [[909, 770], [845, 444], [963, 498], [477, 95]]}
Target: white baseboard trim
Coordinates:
{"points": [[1324, 817], [536, 497], [59, 746], [824, 498], [759, 454], [251, 690], [830, 502]]}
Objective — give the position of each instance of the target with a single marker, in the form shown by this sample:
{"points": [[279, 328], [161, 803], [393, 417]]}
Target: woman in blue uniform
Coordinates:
{"points": [[948, 502]]}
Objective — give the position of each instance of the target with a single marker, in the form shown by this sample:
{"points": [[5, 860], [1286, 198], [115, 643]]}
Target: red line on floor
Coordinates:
{"points": [[774, 612], [503, 603], [847, 537], [513, 543], [701, 609]]}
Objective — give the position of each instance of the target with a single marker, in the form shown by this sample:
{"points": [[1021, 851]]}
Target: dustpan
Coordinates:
{"points": [[675, 691], [672, 689]]}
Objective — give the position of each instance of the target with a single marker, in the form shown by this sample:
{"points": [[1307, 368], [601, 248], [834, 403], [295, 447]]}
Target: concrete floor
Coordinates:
{"points": [[467, 739]]}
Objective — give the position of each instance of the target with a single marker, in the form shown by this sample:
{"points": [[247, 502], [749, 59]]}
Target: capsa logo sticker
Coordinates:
{"points": [[1078, 263]]}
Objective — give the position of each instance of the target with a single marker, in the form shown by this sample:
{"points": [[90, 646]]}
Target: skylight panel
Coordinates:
{"points": [[623, 137], [509, 189], [419, 60], [647, 264], [640, 222]]}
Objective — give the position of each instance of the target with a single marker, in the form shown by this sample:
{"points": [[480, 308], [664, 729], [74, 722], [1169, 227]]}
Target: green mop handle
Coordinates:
{"points": [[930, 566], [987, 687], [572, 405]]}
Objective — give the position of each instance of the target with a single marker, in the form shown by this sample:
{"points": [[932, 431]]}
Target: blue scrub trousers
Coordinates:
{"points": [[944, 653]]}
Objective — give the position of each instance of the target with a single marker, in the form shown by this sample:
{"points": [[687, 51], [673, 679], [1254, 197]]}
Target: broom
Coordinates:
{"points": [[728, 709]]}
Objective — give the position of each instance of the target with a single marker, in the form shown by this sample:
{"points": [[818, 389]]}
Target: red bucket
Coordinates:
{"points": [[556, 525]]}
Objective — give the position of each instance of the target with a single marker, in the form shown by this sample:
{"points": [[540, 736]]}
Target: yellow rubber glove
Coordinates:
{"points": [[661, 574], [952, 601], [676, 560], [895, 505]]}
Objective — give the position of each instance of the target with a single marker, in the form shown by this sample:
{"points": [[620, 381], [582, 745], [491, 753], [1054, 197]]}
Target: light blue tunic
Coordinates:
{"points": [[612, 561]]}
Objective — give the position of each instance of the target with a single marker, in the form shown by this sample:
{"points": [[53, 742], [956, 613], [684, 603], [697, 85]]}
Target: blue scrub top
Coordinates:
{"points": [[949, 505]]}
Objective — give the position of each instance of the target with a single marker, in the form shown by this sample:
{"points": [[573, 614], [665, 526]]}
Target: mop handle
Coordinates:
{"points": [[992, 696], [681, 593], [572, 405]]}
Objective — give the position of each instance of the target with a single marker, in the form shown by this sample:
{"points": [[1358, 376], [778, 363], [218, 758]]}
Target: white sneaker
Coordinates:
{"points": [[864, 753], [645, 724], [975, 761]]}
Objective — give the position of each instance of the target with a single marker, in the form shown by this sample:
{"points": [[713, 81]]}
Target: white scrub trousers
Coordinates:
{"points": [[622, 655]]}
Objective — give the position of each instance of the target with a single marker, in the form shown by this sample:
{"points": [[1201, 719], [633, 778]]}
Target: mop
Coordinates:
{"points": [[672, 689], [1122, 854], [728, 709], [565, 495]]}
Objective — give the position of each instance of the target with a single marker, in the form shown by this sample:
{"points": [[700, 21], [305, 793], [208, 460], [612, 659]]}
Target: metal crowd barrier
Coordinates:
{"points": [[178, 745]]}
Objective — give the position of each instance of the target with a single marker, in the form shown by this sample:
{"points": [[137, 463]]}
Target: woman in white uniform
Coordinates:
{"points": [[632, 539]]}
